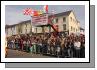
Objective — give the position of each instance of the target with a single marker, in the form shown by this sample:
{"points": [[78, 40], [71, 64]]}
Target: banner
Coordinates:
{"points": [[40, 20]]}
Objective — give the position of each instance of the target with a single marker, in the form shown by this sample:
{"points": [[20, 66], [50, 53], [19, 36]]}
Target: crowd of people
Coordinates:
{"points": [[65, 46]]}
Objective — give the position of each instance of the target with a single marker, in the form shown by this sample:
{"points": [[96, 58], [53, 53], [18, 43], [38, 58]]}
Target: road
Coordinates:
{"points": [[20, 54]]}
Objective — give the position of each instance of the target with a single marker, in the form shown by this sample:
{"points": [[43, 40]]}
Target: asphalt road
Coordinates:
{"points": [[21, 54]]}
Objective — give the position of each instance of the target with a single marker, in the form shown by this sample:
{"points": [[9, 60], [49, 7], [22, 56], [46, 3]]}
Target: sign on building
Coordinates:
{"points": [[40, 20]]}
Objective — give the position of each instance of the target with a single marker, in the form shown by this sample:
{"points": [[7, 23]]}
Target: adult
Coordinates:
{"points": [[28, 45], [57, 46], [70, 46], [82, 49], [16, 44], [77, 45]]}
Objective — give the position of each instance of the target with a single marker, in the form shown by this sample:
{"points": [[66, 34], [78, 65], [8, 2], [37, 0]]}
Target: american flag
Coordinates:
{"points": [[27, 11]]}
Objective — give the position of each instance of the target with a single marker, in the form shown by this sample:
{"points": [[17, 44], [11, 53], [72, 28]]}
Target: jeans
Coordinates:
{"points": [[38, 48], [48, 49], [45, 48], [58, 51], [12, 45], [16, 45], [82, 53], [34, 48], [31, 49], [78, 52], [70, 52]]}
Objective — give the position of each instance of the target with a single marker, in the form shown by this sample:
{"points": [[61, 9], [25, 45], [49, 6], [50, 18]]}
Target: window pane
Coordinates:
{"points": [[57, 20], [64, 26], [71, 18], [71, 28], [64, 19]]}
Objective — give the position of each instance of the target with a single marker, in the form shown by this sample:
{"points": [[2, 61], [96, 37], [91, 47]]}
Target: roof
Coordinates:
{"points": [[27, 21], [6, 26], [66, 13], [63, 13]]}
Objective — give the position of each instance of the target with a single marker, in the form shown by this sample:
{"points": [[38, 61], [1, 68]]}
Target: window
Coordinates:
{"points": [[64, 19], [26, 25], [57, 20], [71, 28], [70, 18], [36, 30], [25, 30], [20, 30], [64, 26], [76, 30]]}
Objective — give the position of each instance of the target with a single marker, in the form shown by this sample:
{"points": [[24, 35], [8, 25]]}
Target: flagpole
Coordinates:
{"points": [[31, 25]]}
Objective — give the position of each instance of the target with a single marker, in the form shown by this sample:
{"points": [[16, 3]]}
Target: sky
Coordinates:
{"points": [[14, 13]]}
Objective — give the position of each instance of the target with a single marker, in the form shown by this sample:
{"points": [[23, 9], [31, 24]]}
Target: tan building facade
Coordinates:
{"points": [[73, 23], [11, 30], [66, 22]]}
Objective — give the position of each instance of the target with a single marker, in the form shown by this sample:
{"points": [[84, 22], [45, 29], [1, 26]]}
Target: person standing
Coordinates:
{"points": [[31, 46], [57, 46], [62, 46], [16, 43], [34, 45], [28, 45], [24, 45], [82, 53], [52, 46], [21, 44], [44, 44], [70, 45], [48, 46], [12, 44], [65, 51], [39, 45], [77, 45]]}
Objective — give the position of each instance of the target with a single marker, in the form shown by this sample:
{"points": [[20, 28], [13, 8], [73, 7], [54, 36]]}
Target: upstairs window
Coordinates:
{"points": [[56, 20], [70, 18], [64, 19]]}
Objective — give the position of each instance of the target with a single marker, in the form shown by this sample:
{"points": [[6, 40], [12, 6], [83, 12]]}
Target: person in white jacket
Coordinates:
{"points": [[77, 45]]}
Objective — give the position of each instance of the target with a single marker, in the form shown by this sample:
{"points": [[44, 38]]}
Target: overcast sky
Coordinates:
{"points": [[14, 13]]}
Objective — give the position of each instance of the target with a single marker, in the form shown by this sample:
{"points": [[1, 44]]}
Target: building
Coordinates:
{"points": [[24, 27], [11, 30], [66, 22]]}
